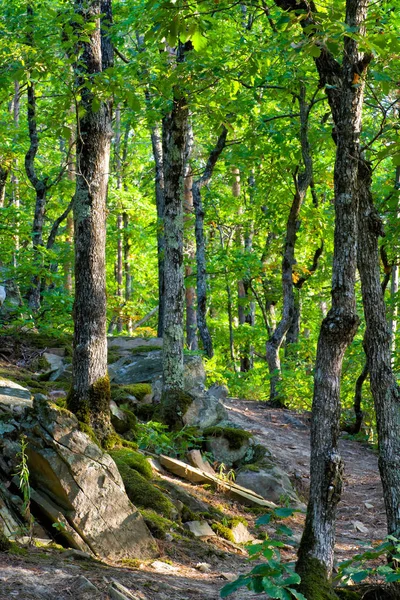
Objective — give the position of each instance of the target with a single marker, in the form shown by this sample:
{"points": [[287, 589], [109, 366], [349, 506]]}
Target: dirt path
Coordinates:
{"points": [[287, 436], [49, 575]]}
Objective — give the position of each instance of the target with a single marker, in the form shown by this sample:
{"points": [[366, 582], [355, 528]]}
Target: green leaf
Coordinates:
{"points": [[264, 520], [284, 512], [296, 594], [360, 576], [198, 40], [315, 51], [96, 104], [229, 588]]}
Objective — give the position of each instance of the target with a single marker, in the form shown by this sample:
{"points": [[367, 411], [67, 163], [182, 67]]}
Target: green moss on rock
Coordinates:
{"points": [[146, 412], [223, 531], [158, 525], [235, 437], [85, 428], [120, 393], [236, 521], [5, 543], [144, 494], [134, 460], [174, 404], [314, 583]]}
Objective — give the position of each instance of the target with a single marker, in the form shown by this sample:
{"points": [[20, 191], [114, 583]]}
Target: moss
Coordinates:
{"points": [[141, 349], [17, 550], [314, 582], [174, 404], [5, 543], [120, 393], [134, 460], [85, 428], [142, 493], [223, 531], [146, 412], [234, 437], [344, 594], [111, 441], [235, 522], [93, 408], [129, 424], [158, 525], [188, 515], [252, 467]]}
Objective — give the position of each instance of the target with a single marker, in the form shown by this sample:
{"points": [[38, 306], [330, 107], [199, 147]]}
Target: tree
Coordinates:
{"points": [[89, 397]]}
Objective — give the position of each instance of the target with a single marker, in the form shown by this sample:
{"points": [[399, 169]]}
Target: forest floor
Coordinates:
{"points": [[50, 574]]}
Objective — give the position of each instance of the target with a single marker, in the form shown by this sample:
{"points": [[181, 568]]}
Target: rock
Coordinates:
{"points": [[10, 520], [223, 453], [55, 361], [119, 418], [130, 343], [160, 566], [119, 592], [200, 529], [229, 576], [358, 526], [220, 392], [203, 567], [57, 394], [77, 555], [205, 410], [83, 586], [14, 398], [80, 481], [179, 493], [241, 534], [270, 482], [196, 460]]}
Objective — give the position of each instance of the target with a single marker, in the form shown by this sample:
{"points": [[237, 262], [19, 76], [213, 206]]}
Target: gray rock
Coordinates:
{"points": [[83, 585], [241, 534], [82, 482], [219, 447], [130, 343], [14, 398], [54, 361], [200, 529], [219, 391], [196, 460], [117, 591], [179, 493], [270, 482], [119, 418], [204, 411]]}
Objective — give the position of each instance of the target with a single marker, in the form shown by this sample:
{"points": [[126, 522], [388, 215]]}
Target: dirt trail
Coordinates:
{"points": [[287, 435], [48, 575]]}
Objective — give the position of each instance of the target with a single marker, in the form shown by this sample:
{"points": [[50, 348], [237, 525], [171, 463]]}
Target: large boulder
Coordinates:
{"points": [[204, 411], [270, 482], [229, 445], [14, 399], [75, 485]]}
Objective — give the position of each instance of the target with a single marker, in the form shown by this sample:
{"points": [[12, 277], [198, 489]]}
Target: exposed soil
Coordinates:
{"points": [[47, 574]]}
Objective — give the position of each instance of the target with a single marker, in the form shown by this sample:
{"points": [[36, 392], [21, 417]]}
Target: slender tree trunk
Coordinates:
{"points": [[157, 145], [127, 269], [4, 171], [302, 183], [176, 129], [68, 282], [394, 288], [201, 278], [315, 558], [377, 345], [14, 177], [90, 393], [190, 292], [119, 269], [247, 306], [293, 333]]}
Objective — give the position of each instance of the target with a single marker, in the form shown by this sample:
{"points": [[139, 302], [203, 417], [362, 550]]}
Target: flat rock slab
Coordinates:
{"points": [[200, 529], [14, 397], [129, 343], [241, 534]]}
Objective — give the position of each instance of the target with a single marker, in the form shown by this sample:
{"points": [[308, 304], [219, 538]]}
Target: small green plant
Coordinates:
{"points": [[273, 577], [23, 474], [61, 527], [155, 437], [228, 476], [356, 569]]}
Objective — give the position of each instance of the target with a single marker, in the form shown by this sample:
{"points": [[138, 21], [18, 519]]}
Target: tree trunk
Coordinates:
{"points": [[190, 292], [176, 129], [302, 183], [315, 558], [201, 279], [89, 397], [3, 180], [14, 176], [377, 345], [293, 333], [157, 145]]}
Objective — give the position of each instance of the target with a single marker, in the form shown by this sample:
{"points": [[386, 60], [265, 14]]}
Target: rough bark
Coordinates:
{"points": [[176, 128], [190, 292], [338, 328], [246, 307], [90, 393], [201, 245], [377, 344], [302, 183], [157, 146], [4, 171]]}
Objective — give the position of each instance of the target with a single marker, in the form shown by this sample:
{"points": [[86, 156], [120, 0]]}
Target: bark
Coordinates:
{"points": [[90, 393], [377, 344], [127, 268], [14, 177], [190, 292], [119, 269], [4, 171], [315, 558], [157, 146], [201, 245], [246, 307], [302, 183], [176, 128]]}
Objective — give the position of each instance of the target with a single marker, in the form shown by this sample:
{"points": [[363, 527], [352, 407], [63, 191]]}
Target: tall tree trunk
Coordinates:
{"points": [[315, 558], [157, 145], [119, 269], [176, 129], [89, 397], [14, 176], [127, 269], [3, 180], [377, 344], [190, 292], [302, 183], [68, 283], [246, 306], [201, 278]]}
